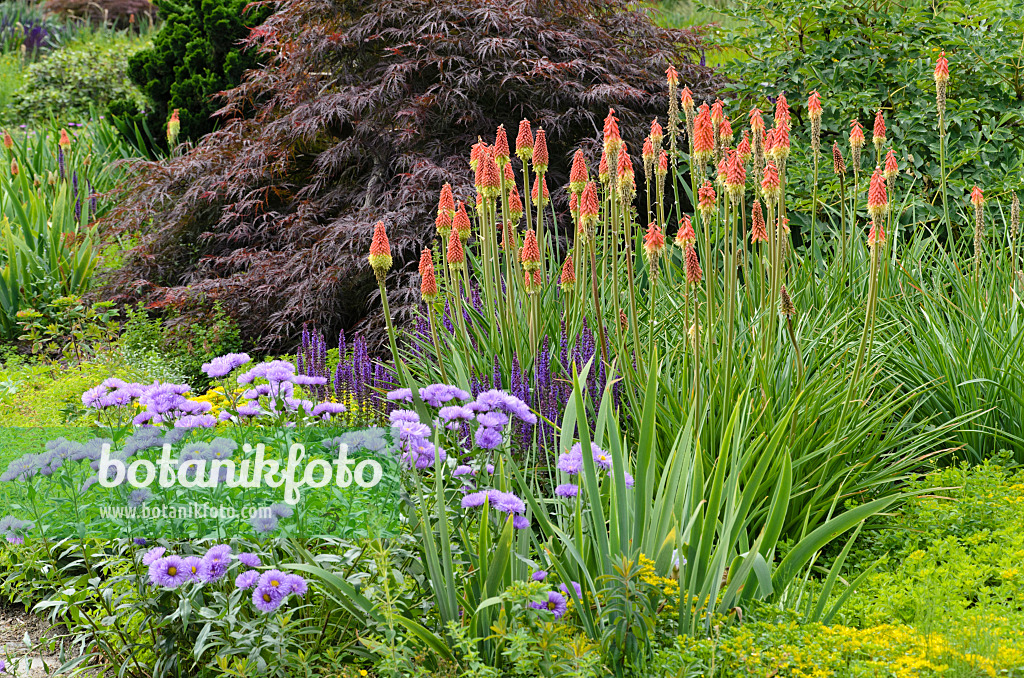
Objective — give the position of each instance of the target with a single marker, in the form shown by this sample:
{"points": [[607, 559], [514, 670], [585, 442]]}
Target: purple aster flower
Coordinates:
{"points": [[139, 541], [252, 409], [436, 395], [170, 572], [555, 604], [328, 409], [520, 522], [487, 438], [153, 555], [454, 414], [628, 478], [263, 523], [297, 584], [224, 365], [410, 430], [215, 563], [400, 394], [492, 419], [490, 468], [410, 416], [139, 497], [196, 421], [506, 502], [567, 490], [276, 579], [463, 470], [474, 500], [571, 462], [247, 580], [565, 591], [281, 511], [306, 380], [539, 575], [267, 598], [601, 457], [192, 566], [249, 559]]}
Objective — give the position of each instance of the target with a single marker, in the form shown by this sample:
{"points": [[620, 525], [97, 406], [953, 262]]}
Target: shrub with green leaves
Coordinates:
{"points": [[862, 56], [195, 55], [75, 82], [175, 351]]}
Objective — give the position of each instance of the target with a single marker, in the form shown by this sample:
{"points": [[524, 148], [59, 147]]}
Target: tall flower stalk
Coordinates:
{"points": [[814, 112], [941, 85], [380, 262]]}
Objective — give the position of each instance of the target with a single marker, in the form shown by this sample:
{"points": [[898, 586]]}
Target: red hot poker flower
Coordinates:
{"points": [[524, 141], [782, 111], [657, 134], [380, 251], [672, 75], [578, 173], [892, 168], [612, 138], [654, 241], [703, 136], [878, 199], [456, 253], [428, 282], [530, 254], [814, 105], [758, 233], [461, 223], [756, 121], [685, 235], [686, 101], [540, 152], [942, 69], [662, 169], [693, 273], [501, 152]]}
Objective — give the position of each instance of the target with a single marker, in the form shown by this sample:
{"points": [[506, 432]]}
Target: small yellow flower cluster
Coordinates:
{"points": [[217, 398]]}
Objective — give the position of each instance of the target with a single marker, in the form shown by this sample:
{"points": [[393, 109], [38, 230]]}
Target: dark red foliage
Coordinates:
{"points": [[364, 111]]}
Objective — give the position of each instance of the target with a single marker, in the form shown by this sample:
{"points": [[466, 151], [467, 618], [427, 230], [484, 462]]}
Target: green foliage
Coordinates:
{"points": [[48, 250], [194, 56], [69, 328], [176, 352], [76, 81], [866, 56]]}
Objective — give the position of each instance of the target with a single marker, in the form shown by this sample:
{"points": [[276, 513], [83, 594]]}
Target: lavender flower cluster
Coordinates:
{"points": [[356, 378], [272, 392], [162, 403], [546, 387], [571, 463], [503, 502], [270, 588], [277, 395], [491, 411]]}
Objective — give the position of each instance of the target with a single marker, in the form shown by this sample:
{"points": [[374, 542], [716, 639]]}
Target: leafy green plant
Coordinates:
{"points": [[176, 352], [867, 56], [75, 81], [69, 328], [49, 250]]}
